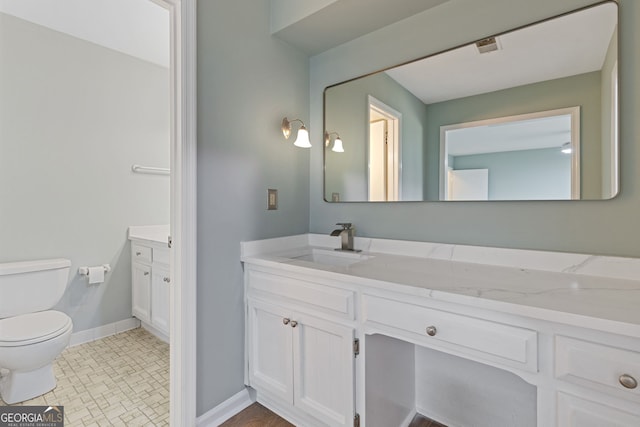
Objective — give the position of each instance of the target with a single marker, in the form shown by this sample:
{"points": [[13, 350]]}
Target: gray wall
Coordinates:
{"points": [[247, 82], [600, 227], [346, 113], [543, 174], [74, 117], [582, 90]]}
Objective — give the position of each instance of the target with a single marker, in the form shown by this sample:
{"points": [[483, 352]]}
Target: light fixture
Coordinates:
{"points": [[337, 143], [302, 140], [566, 148]]}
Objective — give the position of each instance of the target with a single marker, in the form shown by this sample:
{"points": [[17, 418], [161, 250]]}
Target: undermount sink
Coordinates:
{"points": [[329, 257]]}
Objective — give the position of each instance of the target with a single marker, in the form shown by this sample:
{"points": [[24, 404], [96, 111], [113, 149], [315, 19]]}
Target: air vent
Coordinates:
{"points": [[487, 45]]}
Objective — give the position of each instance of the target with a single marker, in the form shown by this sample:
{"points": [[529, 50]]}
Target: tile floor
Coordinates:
{"points": [[121, 380]]}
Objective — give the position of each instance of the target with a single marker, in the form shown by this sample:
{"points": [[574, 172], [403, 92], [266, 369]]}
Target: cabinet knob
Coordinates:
{"points": [[294, 323], [431, 331], [167, 279], [286, 321], [138, 253], [146, 273], [628, 381]]}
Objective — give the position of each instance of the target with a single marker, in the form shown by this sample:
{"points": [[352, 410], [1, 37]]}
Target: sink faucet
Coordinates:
{"points": [[346, 234]]}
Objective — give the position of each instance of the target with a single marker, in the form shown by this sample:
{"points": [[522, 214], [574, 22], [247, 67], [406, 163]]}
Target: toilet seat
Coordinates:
{"points": [[33, 328]]}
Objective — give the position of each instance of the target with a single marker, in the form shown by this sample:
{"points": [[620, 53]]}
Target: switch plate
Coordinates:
{"points": [[272, 199]]}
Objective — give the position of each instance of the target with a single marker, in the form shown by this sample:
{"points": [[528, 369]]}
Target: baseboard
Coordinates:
{"points": [[155, 332], [103, 331], [437, 417], [225, 410], [408, 419]]}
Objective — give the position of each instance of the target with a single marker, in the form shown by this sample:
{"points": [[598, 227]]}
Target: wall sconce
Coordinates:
{"points": [[337, 143], [302, 140]]}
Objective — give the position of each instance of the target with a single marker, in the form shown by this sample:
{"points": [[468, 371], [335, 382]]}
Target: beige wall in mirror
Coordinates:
{"points": [[482, 115]]}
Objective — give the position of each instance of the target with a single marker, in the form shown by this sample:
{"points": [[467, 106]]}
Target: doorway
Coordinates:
{"points": [[383, 152]]}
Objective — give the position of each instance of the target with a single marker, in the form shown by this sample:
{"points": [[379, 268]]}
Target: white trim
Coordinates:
{"points": [[396, 117], [226, 409], [155, 332], [89, 335], [183, 211], [575, 143]]}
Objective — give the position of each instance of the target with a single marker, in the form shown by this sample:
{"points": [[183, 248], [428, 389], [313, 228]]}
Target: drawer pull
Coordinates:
{"points": [[138, 253], [431, 331], [286, 321], [628, 381], [146, 273], [294, 323], [167, 279]]}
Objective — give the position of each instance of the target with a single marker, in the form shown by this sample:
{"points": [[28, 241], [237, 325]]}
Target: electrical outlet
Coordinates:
{"points": [[272, 199]]}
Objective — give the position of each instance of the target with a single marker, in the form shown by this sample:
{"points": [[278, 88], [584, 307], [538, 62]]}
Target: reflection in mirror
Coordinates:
{"points": [[560, 73], [531, 157]]}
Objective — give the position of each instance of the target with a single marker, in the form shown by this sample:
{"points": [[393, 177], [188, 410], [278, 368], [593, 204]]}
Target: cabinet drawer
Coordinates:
{"points": [[335, 301], [596, 365], [455, 333], [161, 256], [141, 253]]}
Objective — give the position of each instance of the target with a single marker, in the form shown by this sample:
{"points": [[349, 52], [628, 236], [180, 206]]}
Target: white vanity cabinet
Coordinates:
{"points": [[301, 363], [150, 286]]}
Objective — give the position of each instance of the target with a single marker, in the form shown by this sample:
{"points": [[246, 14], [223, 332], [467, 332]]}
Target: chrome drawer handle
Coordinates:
{"points": [[294, 323], [431, 331], [167, 280], [146, 273], [628, 381], [138, 253], [286, 321]]}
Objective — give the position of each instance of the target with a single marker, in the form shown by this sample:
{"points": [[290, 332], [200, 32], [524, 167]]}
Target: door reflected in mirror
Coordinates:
{"points": [[399, 126]]}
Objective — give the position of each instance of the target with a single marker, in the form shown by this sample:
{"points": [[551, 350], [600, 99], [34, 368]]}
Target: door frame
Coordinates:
{"points": [[394, 116], [182, 371]]}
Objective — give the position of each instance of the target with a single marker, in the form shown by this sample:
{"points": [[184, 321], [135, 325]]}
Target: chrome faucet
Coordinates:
{"points": [[346, 234]]}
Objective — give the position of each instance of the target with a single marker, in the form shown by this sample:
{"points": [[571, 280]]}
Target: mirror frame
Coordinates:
{"points": [[615, 160]]}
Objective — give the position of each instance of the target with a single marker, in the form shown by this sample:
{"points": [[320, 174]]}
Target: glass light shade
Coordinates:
{"points": [[337, 146], [302, 140]]}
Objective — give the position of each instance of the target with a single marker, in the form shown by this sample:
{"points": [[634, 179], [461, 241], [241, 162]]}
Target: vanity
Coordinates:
{"points": [[463, 335], [150, 278]]}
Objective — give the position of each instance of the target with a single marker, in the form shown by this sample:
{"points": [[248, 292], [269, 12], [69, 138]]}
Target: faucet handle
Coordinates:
{"points": [[345, 225]]}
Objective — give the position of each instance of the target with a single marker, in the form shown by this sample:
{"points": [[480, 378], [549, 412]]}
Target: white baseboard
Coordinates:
{"points": [[93, 334], [225, 410], [155, 332], [408, 419]]}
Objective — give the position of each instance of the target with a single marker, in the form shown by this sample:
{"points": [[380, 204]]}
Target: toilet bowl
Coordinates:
{"points": [[31, 335]]}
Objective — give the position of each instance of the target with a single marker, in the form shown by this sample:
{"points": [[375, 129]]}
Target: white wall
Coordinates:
{"points": [[74, 117]]}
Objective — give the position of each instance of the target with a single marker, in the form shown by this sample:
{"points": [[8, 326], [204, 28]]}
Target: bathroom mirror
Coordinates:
{"points": [[529, 114]]}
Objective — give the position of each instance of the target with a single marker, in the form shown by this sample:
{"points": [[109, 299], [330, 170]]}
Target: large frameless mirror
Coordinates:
{"points": [[529, 114]]}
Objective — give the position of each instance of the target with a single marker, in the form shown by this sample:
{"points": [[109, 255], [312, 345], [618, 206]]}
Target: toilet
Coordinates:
{"points": [[31, 334]]}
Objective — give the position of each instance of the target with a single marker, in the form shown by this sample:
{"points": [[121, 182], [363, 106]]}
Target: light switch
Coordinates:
{"points": [[272, 199]]}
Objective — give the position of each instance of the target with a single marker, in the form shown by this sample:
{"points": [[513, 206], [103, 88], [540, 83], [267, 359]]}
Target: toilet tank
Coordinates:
{"points": [[30, 286]]}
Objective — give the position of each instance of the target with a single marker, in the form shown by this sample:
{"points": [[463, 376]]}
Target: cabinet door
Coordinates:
{"points": [[270, 356], [323, 362], [160, 294], [141, 291], [576, 412]]}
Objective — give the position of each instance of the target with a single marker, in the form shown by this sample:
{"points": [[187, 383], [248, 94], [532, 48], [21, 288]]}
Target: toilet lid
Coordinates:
{"points": [[32, 328]]}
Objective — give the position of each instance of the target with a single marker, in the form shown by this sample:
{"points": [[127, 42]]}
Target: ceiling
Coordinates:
{"points": [[566, 46], [138, 28], [340, 21]]}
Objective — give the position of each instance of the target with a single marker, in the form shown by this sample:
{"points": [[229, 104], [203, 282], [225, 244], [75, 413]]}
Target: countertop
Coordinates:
{"points": [[582, 290], [149, 233]]}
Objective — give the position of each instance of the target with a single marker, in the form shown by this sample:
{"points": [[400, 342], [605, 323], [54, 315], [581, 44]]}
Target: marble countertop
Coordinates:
{"points": [[582, 290], [149, 233]]}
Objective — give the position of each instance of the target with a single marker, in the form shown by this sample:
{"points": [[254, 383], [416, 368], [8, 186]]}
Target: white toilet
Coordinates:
{"points": [[31, 335]]}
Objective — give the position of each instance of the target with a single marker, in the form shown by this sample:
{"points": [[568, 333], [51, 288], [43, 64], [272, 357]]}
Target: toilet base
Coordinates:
{"points": [[20, 386]]}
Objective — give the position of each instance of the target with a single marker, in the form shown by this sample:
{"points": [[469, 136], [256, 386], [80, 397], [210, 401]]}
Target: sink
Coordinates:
{"points": [[329, 257]]}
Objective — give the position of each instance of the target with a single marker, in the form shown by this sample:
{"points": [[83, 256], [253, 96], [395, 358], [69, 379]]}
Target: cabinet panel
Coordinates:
{"points": [[576, 412], [270, 355], [160, 297], [141, 291], [324, 369]]}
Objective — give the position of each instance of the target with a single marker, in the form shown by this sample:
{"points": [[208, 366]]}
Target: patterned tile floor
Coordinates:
{"points": [[121, 380]]}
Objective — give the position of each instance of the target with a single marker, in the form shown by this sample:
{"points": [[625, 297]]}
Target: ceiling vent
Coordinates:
{"points": [[487, 45]]}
